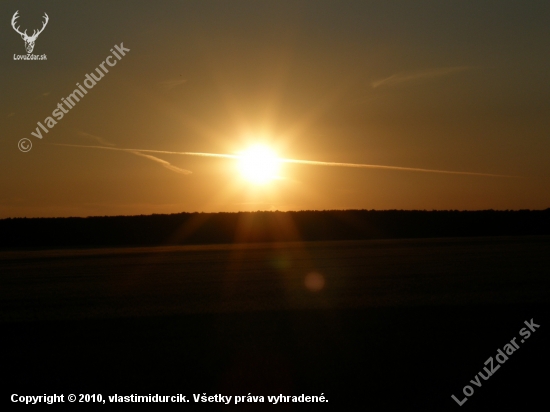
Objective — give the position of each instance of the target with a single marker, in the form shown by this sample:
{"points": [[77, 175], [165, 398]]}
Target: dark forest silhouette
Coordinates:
{"points": [[211, 228]]}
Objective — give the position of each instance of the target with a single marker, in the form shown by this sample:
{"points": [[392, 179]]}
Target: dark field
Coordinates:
{"points": [[379, 324]]}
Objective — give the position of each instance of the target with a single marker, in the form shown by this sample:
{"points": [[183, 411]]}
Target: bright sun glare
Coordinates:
{"points": [[259, 164]]}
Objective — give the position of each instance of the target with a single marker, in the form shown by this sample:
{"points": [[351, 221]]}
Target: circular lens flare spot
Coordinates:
{"points": [[259, 164], [314, 281]]}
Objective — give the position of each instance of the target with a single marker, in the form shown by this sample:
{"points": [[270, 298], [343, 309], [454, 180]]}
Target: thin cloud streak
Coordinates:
{"points": [[227, 156], [406, 77], [170, 84], [297, 161], [99, 139], [164, 163], [407, 169]]}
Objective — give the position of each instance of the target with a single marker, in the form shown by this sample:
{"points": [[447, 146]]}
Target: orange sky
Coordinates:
{"points": [[457, 86]]}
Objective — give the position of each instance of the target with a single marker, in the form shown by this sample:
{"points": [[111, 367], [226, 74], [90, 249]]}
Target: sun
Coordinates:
{"points": [[259, 164]]}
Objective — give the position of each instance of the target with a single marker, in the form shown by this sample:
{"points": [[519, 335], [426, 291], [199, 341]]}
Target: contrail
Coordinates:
{"points": [[163, 163], [296, 161], [408, 169], [406, 77], [227, 156]]}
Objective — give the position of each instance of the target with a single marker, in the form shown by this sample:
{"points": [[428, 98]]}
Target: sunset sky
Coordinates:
{"points": [[460, 86]]}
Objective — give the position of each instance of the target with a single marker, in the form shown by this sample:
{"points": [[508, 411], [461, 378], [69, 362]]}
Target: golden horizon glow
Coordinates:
{"points": [[259, 164]]}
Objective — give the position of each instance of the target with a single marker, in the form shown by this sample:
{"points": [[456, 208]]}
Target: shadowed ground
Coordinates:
{"points": [[383, 324]]}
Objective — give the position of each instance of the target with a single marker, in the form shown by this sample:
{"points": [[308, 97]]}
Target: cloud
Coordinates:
{"points": [[226, 156], [284, 160], [405, 169], [140, 153], [424, 74], [162, 162], [170, 84], [98, 139], [40, 96]]}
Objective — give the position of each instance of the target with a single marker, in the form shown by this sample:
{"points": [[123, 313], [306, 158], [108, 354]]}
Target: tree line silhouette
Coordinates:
{"points": [[307, 225]]}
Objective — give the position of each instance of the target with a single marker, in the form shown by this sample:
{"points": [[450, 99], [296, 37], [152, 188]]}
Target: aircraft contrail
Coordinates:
{"points": [[228, 156], [296, 161]]}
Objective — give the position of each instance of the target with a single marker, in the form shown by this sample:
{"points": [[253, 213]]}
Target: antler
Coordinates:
{"points": [[15, 17], [35, 32]]}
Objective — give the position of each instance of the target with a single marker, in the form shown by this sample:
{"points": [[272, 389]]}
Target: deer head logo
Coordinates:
{"points": [[29, 40]]}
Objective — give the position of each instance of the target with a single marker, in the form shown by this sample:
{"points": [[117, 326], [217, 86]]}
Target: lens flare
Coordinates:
{"points": [[314, 281]]}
